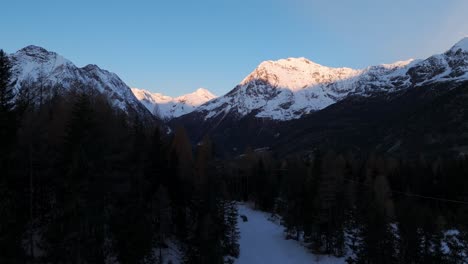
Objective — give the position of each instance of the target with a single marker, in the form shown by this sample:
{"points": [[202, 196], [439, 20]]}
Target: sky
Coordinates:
{"points": [[175, 47]]}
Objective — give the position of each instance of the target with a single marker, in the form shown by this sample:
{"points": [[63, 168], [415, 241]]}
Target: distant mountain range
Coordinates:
{"points": [[166, 107]]}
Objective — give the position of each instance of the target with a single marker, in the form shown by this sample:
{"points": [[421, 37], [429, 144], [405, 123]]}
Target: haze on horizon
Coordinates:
{"points": [[175, 47]]}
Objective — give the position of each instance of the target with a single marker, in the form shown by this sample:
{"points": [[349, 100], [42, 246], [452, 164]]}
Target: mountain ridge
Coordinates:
{"points": [[290, 88], [33, 63], [280, 90], [166, 107], [259, 113]]}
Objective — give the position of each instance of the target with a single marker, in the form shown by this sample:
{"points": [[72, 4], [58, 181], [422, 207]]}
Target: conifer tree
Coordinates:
{"points": [[163, 221], [294, 193], [11, 222], [230, 230], [377, 232], [7, 121], [6, 85], [156, 162]]}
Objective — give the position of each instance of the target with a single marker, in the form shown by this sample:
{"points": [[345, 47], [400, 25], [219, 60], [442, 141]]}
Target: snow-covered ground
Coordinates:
{"points": [[262, 241]]}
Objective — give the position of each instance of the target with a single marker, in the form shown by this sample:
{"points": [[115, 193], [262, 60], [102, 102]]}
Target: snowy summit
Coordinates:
{"points": [[461, 45], [297, 73], [289, 88], [166, 107]]}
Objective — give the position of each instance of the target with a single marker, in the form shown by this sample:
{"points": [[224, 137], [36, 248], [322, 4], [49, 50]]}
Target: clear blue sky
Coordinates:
{"points": [[176, 46]]}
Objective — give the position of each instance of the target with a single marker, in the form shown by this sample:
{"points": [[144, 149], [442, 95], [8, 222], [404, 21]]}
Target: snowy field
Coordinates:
{"points": [[262, 241]]}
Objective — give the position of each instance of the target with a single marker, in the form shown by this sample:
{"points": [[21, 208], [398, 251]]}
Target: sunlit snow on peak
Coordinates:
{"points": [[167, 107], [461, 45]]}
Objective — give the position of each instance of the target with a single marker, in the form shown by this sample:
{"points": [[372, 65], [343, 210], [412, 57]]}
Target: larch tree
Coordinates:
{"points": [[7, 121], [11, 222]]}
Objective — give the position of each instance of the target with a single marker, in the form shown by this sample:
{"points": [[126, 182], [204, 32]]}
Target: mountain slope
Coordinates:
{"points": [[291, 88], [288, 89], [430, 119], [166, 107], [34, 63], [260, 113]]}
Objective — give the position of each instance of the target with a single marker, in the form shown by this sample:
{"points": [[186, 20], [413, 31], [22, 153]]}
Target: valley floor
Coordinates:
{"points": [[262, 241]]}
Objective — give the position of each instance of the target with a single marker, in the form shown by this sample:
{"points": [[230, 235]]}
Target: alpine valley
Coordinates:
{"points": [[299, 163], [230, 132]]}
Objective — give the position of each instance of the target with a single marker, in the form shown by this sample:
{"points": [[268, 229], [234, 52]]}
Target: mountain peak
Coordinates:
{"points": [[199, 97], [168, 107], [288, 63], [204, 92], [32, 62], [36, 52], [32, 49], [461, 45], [296, 74], [35, 57], [91, 67], [201, 90]]}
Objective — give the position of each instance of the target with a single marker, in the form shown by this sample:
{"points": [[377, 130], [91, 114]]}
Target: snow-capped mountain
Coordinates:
{"points": [[290, 88], [166, 107], [296, 105], [32, 63]]}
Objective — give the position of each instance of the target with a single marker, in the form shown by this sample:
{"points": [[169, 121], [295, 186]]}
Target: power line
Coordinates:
{"points": [[415, 195], [432, 198]]}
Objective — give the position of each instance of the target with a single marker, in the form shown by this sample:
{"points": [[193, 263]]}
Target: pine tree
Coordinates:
{"points": [[293, 194], [432, 232], [183, 149], [24, 99], [230, 229], [163, 221], [377, 234], [12, 223], [311, 185], [77, 227], [409, 226], [7, 121], [156, 163], [6, 85], [331, 205]]}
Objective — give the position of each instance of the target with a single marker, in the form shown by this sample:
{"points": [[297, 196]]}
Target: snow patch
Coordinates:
{"points": [[263, 241]]}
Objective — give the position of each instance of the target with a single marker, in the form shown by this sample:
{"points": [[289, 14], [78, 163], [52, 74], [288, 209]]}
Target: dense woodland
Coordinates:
{"points": [[83, 182], [367, 208]]}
